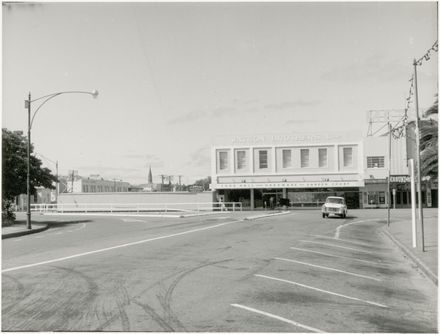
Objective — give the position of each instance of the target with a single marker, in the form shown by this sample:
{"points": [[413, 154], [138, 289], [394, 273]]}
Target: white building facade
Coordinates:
{"points": [[94, 184], [305, 168]]}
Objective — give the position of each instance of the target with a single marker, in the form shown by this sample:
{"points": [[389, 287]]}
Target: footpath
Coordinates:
{"points": [[399, 231]]}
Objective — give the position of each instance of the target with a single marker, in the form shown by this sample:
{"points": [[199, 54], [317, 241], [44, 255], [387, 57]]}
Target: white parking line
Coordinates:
{"points": [[337, 246], [120, 246], [320, 290], [278, 318], [328, 268], [344, 240], [18, 239], [130, 220], [332, 255], [338, 229]]}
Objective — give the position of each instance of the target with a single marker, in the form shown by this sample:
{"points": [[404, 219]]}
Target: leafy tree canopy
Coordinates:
{"points": [[14, 164], [429, 143], [204, 183]]}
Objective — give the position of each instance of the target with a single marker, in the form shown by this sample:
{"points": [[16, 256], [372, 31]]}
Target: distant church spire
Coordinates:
{"points": [[150, 176]]}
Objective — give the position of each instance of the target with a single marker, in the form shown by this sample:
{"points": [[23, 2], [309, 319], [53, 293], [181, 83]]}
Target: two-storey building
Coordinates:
{"points": [[305, 168]]}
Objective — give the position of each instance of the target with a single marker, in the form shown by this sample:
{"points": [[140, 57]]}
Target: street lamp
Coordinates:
{"points": [[28, 103], [419, 166]]}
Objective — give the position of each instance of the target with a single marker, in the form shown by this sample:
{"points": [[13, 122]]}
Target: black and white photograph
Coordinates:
{"points": [[220, 167]]}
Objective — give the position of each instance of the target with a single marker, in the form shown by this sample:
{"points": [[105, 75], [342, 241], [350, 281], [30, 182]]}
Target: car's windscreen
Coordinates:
{"points": [[335, 200]]}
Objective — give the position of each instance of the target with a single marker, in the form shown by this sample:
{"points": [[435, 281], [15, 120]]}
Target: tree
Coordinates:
{"points": [[429, 142], [204, 183], [14, 164]]}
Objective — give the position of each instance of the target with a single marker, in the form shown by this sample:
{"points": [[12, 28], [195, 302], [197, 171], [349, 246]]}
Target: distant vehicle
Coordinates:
{"points": [[334, 205]]}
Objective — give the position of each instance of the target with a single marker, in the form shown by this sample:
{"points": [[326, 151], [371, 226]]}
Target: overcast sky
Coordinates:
{"points": [[173, 75]]}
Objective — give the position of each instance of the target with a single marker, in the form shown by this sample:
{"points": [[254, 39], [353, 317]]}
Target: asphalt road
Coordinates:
{"points": [[289, 273]]}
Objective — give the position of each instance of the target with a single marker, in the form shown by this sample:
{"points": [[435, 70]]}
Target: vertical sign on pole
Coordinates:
{"points": [[428, 197], [394, 198], [413, 202]]}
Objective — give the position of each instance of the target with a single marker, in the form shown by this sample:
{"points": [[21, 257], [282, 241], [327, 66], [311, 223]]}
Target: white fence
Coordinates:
{"points": [[137, 207]]}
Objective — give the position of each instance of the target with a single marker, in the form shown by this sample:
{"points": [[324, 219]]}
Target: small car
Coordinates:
{"points": [[334, 205]]}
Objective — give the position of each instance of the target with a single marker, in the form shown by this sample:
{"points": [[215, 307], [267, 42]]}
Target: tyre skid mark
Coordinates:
{"points": [[166, 299], [154, 316]]}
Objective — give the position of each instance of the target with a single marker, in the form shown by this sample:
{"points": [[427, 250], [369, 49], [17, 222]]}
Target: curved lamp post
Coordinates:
{"points": [[28, 103]]}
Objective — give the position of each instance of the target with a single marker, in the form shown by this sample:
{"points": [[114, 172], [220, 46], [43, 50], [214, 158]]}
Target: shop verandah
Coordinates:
{"points": [[297, 198], [356, 198]]}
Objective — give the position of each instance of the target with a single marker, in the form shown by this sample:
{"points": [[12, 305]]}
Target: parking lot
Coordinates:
{"points": [[294, 272]]}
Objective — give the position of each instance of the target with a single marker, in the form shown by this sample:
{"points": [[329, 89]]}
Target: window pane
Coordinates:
{"points": [[304, 158], [376, 162], [241, 159], [263, 159], [322, 157], [287, 158], [348, 156], [223, 157]]}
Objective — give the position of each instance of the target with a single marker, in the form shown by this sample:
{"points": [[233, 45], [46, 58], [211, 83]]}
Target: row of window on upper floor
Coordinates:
{"points": [[97, 188], [321, 159]]}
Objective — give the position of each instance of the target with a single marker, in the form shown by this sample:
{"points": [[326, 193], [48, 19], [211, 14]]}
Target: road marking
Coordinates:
{"points": [[278, 318], [129, 220], [338, 229], [332, 255], [337, 246], [18, 239], [328, 268], [120, 246], [320, 290], [344, 240]]}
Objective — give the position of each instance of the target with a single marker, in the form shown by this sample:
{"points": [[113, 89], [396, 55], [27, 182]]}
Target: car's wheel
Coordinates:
{"points": [[323, 215]]}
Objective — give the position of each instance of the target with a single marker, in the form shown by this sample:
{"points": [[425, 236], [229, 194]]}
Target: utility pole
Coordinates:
{"points": [[73, 177], [389, 170], [57, 189], [28, 176], [180, 182], [419, 166], [162, 176], [413, 203]]}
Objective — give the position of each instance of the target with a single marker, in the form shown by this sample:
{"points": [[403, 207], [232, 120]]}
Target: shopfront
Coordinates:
{"points": [[304, 169]]}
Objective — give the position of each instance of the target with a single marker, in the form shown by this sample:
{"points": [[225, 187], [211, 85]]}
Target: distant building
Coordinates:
{"points": [[150, 176], [94, 184], [150, 186], [41, 196]]}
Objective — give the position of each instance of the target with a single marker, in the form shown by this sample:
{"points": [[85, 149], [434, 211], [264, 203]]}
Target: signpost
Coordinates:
{"points": [[394, 198], [413, 203]]}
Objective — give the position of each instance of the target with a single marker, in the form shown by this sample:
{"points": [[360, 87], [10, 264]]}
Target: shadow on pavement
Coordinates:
{"points": [[53, 223]]}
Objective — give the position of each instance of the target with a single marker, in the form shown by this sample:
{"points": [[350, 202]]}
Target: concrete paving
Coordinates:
{"points": [[288, 273], [400, 231]]}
